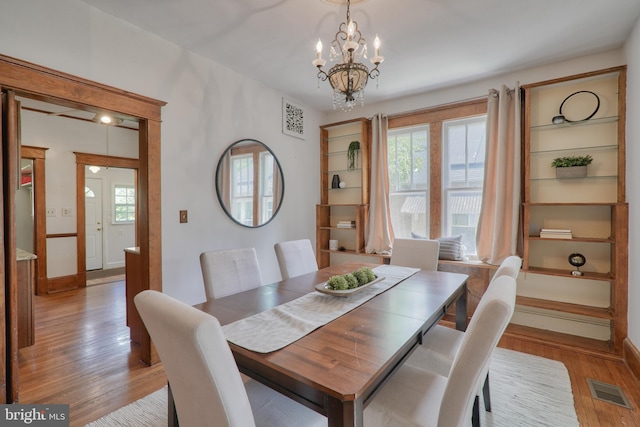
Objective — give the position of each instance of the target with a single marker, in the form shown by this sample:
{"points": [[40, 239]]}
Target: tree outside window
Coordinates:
{"points": [[408, 165]]}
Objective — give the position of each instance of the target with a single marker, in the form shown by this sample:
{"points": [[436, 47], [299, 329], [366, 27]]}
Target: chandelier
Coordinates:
{"points": [[348, 77]]}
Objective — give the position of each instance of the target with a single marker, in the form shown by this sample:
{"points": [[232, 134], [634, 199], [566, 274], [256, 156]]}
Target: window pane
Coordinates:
{"points": [[463, 178], [124, 203], [242, 188], [408, 165]]}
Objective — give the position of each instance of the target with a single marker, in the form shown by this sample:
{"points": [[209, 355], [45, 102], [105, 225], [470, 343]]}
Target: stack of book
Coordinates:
{"points": [[346, 224], [554, 233]]}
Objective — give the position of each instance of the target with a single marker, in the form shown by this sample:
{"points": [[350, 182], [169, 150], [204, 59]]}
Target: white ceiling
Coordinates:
{"points": [[427, 44]]}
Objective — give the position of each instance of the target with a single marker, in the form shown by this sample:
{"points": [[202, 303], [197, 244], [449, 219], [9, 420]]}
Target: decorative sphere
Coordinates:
{"points": [[343, 184], [577, 260]]}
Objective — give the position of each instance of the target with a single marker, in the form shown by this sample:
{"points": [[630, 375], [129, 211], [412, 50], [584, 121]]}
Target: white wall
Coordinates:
{"points": [[208, 107], [632, 50], [62, 137], [481, 88]]}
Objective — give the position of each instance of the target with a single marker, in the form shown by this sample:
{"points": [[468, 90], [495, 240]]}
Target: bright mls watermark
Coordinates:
{"points": [[34, 415]]}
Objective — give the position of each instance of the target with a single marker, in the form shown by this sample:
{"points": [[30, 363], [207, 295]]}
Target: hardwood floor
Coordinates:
{"points": [[83, 357]]}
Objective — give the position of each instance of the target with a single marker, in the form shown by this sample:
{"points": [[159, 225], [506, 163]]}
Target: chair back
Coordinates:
{"points": [[229, 271], [509, 266], [418, 253], [203, 376], [470, 365], [295, 258]]}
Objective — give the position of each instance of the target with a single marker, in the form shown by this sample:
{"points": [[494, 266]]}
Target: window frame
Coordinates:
{"points": [[435, 117], [413, 190], [114, 220]]}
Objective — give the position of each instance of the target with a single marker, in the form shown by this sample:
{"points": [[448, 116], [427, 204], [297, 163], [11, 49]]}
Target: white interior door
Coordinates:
{"points": [[93, 222]]}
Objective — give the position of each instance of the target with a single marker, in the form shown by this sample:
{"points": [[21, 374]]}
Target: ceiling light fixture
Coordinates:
{"points": [[94, 169], [106, 119], [348, 77]]}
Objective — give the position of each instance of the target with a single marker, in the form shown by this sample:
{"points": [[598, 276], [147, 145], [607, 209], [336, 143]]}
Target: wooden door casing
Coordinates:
{"points": [[48, 85]]}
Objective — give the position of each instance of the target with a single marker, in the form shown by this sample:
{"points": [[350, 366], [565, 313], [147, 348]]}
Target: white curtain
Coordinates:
{"points": [[379, 233], [498, 227]]}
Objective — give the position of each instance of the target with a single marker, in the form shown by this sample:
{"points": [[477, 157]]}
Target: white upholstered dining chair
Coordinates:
{"points": [[229, 271], [205, 382], [295, 258], [441, 344], [419, 397], [419, 253]]}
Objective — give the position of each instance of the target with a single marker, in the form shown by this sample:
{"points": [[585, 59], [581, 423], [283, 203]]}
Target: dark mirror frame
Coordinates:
{"points": [[219, 180]]}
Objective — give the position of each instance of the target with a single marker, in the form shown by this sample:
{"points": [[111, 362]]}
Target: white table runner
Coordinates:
{"points": [[278, 327]]}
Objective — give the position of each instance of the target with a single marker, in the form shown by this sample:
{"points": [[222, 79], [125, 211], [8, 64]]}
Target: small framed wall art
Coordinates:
{"points": [[292, 119]]}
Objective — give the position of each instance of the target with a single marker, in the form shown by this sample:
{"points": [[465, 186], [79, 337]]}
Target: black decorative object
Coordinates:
{"points": [[559, 119], [577, 260], [335, 182]]}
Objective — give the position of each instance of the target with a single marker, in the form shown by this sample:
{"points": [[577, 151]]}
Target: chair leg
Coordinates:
{"points": [[475, 416], [485, 394]]}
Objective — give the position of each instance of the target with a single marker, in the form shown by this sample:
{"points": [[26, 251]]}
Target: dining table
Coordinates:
{"points": [[337, 367]]}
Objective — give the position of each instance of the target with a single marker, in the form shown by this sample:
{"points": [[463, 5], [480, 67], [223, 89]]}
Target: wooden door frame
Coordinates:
{"points": [[37, 155], [83, 160], [48, 85]]}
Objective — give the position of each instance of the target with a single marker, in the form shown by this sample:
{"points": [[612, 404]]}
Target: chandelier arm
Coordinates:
{"points": [[322, 75], [374, 72]]}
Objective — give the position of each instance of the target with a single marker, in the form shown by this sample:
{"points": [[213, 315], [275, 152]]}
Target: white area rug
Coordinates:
{"points": [[526, 391]]}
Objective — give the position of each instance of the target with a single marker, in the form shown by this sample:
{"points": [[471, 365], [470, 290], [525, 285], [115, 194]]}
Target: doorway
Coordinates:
{"points": [[30, 80]]}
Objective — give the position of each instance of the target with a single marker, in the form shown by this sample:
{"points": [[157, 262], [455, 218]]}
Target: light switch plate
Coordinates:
{"points": [[183, 217]]}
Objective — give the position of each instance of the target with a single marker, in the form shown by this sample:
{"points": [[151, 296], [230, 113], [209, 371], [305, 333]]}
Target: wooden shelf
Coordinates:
{"points": [[558, 339], [575, 239], [351, 202], [596, 213], [567, 273], [573, 124], [583, 310]]}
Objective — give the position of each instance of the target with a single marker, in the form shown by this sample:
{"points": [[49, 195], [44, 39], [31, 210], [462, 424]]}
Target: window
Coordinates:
{"points": [[244, 189], [408, 164], [436, 171], [462, 178], [266, 186], [124, 204]]}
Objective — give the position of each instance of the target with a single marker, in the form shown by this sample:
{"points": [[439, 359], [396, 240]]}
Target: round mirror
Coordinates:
{"points": [[249, 183]]}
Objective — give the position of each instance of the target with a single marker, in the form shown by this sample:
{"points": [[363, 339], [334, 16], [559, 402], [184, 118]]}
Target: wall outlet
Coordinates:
{"points": [[183, 217], [51, 211], [67, 212]]}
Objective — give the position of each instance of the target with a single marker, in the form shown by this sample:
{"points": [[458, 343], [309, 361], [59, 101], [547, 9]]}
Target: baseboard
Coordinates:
{"points": [[631, 357]]}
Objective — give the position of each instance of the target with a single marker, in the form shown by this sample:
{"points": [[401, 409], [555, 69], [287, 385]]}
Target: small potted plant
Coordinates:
{"points": [[352, 154], [571, 166]]}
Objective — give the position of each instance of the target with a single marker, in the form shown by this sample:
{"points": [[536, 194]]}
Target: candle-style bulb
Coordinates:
{"points": [[351, 29], [376, 45]]}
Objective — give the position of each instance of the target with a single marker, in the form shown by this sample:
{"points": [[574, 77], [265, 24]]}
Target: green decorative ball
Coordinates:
{"points": [[352, 282], [337, 283]]}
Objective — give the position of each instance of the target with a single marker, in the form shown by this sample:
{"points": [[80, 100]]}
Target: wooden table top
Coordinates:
{"points": [[337, 367]]}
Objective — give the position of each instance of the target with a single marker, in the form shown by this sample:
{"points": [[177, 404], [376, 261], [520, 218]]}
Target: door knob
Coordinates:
{"points": [[98, 229]]}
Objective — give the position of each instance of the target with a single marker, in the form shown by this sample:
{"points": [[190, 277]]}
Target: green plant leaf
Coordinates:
{"points": [[568, 161]]}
